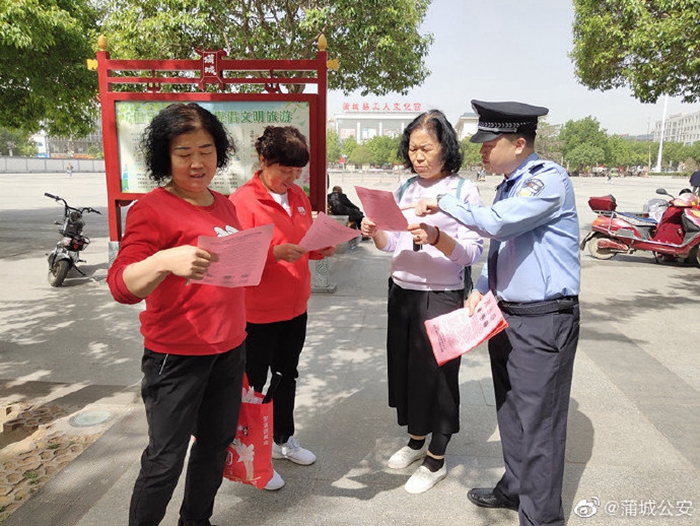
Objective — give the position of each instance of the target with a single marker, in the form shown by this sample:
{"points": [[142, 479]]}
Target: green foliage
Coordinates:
{"points": [[377, 42], [548, 144], [360, 156], [675, 153], [472, 157], [348, 146], [694, 152], [44, 81], [383, 150], [652, 46], [585, 155], [629, 153], [583, 143], [96, 152], [18, 142], [332, 146]]}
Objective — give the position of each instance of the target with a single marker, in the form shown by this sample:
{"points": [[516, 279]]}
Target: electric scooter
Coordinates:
{"points": [[66, 254], [676, 236]]}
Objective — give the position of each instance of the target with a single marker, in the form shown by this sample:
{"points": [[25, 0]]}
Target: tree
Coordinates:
{"points": [[377, 43], [652, 46], [16, 142], [675, 153], [348, 146], [383, 150], [574, 135], [472, 157], [332, 146], [695, 152], [583, 156], [626, 153], [548, 144], [44, 80], [360, 156]]}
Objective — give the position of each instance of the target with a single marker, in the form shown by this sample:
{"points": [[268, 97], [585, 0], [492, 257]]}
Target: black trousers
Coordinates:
{"points": [[185, 396], [532, 366], [426, 397], [274, 347]]}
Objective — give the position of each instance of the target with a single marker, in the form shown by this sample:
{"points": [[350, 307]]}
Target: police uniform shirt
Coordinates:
{"points": [[537, 225]]}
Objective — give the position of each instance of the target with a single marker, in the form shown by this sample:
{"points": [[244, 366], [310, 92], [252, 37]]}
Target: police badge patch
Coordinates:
{"points": [[531, 188]]}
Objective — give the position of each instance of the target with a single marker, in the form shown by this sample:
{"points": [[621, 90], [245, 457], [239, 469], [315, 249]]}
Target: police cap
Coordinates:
{"points": [[496, 118]]}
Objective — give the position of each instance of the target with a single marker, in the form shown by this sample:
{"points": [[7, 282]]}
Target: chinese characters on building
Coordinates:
{"points": [[382, 106]]}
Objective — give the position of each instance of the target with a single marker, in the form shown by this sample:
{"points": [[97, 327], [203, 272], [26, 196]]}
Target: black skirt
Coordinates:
{"points": [[426, 397]]}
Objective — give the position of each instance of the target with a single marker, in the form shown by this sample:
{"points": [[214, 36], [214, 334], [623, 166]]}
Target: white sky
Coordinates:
{"points": [[514, 50]]}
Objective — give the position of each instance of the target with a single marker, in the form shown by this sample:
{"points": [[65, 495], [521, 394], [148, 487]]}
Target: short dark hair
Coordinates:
{"points": [[284, 145], [528, 136], [173, 121], [434, 122]]}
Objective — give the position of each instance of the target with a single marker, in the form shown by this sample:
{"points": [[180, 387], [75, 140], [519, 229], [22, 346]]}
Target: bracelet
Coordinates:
{"points": [[437, 238]]}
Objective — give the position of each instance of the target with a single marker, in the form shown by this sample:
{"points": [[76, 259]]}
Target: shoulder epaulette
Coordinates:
{"points": [[536, 167]]}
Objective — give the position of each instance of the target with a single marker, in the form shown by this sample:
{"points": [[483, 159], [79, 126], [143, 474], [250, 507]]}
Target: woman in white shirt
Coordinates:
{"points": [[427, 280]]}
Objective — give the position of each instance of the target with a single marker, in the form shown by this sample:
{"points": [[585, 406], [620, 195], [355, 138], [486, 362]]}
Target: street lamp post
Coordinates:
{"points": [[661, 138]]}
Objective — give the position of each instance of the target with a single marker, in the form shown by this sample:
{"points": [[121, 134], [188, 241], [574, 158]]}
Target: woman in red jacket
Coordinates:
{"points": [[276, 308], [194, 335]]}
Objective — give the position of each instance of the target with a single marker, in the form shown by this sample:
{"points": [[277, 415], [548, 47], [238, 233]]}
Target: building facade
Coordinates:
{"points": [[467, 125], [365, 120], [64, 147], [680, 127]]}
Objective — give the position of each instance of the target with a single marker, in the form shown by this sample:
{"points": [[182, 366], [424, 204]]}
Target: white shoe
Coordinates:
{"points": [[291, 450], [275, 483], [424, 479], [406, 456]]}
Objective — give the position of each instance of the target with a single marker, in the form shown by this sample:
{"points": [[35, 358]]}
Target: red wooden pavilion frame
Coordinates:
{"points": [[212, 69]]}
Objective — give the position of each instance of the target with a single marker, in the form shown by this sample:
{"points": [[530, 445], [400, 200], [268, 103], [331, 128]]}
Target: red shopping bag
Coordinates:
{"points": [[249, 458]]}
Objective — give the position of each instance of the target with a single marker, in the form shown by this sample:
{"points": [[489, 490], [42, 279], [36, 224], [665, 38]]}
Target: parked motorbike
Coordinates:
{"points": [[675, 236], [66, 254]]}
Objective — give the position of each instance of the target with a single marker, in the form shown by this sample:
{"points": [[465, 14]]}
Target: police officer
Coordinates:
{"points": [[533, 269]]}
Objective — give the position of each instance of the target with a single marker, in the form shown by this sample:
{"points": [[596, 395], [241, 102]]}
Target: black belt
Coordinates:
{"points": [[538, 308]]}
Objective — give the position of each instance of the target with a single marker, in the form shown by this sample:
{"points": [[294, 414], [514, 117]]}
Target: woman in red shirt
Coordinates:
{"points": [[194, 335], [276, 308]]}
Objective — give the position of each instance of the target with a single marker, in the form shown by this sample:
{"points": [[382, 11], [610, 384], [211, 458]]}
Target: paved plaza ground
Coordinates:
{"points": [[70, 357]]}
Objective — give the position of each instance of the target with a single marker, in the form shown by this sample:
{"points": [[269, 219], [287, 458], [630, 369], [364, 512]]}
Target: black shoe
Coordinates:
{"points": [[486, 498]]}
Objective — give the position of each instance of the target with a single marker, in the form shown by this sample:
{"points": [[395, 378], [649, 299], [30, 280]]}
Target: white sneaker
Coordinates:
{"points": [[275, 483], [406, 456], [291, 450], [424, 479]]}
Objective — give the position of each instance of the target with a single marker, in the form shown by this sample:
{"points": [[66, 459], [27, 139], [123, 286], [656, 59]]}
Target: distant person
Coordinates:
{"points": [[695, 182], [194, 355], [427, 280], [69, 170], [276, 309], [340, 205], [534, 271]]}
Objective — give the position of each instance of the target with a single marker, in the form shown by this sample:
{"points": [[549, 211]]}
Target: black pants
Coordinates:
{"points": [[274, 347], [532, 365], [185, 396], [426, 397]]}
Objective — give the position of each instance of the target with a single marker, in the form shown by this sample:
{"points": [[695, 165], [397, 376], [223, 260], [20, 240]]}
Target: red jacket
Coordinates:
{"points": [[179, 318], [285, 288]]}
